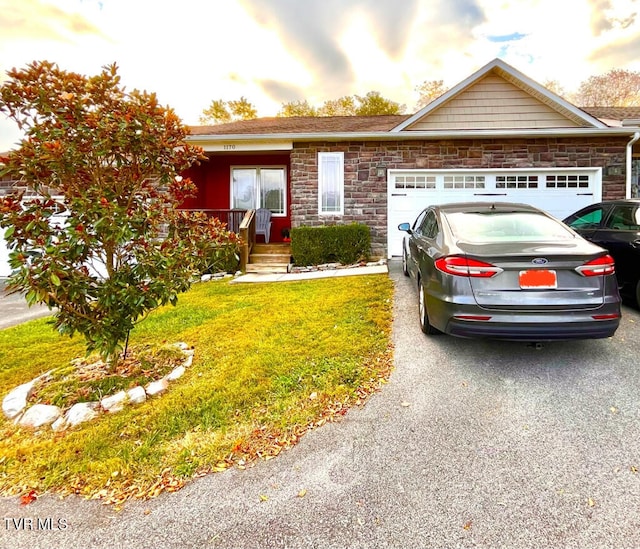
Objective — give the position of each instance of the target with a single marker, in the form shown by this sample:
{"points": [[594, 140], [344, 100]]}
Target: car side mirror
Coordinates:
{"points": [[406, 227]]}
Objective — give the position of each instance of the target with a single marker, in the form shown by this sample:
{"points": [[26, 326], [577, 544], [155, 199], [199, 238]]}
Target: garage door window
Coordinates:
{"points": [[464, 182], [516, 182], [567, 181]]}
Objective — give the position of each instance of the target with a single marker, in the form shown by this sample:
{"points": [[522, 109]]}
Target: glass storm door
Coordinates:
{"points": [[253, 188]]}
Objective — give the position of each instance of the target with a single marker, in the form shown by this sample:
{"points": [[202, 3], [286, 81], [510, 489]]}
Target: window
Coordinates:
{"points": [[516, 182], [625, 218], [464, 182], [506, 227], [588, 219], [429, 225], [330, 183], [567, 182], [253, 188], [415, 182]]}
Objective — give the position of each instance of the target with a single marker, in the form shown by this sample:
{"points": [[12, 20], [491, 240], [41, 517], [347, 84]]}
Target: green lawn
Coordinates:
{"points": [[271, 361]]}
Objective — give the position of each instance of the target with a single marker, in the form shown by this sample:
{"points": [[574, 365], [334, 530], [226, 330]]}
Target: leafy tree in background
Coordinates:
{"points": [[557, 88], [428, 91], [221, 112], [371, 104], [616, 88], [343, 106], [297, 108], [122, 248]]}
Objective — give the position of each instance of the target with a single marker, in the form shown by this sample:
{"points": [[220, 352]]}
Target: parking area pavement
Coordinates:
{"points": [[470, 444], [14, 309]]}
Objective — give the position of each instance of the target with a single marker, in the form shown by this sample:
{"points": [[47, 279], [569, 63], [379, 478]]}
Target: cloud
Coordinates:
{"points": [[282, 91], [607, 15], [621, 54], [33, 19], [312, 32]]}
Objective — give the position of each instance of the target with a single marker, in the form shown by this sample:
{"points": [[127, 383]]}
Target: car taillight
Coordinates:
{"points": [[462, 266], [603, 265]]}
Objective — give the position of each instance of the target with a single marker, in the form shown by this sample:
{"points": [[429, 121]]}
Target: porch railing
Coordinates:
{"points": [[233, 218], [248, 236]]}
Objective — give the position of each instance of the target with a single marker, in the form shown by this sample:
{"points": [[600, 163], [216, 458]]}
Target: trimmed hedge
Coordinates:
{"points": [[344, 244]]}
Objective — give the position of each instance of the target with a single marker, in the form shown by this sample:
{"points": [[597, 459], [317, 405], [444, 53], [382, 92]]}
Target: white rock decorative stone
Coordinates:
{"points": [[137, 395], [188, 361], [157, 387], [39, 415], [177, 373], [14, 403], [59, 424], [81, 412], [181, 345], [114, 403]]}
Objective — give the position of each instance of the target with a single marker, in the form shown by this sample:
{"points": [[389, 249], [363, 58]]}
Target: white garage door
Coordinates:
{"points": [[559, 192]]}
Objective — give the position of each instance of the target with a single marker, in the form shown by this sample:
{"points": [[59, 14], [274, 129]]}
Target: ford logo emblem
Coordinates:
{"points": [[540, 261]]}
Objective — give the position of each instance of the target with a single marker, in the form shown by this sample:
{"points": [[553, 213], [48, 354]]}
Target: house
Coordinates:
{"points": [[497, 135]]}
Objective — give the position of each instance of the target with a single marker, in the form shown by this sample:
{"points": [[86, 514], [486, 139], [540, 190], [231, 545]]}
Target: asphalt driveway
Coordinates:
{"points": [[470, 444], [14, 309]]}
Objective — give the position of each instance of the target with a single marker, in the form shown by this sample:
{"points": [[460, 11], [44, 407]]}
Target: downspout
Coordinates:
{"points": [[635, 138]]}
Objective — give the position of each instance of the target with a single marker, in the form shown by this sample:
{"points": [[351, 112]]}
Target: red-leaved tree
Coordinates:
{"points": [[93, 227]]}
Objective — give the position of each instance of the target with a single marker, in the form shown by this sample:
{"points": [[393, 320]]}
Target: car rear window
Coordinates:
{"points": [[506, 227]]}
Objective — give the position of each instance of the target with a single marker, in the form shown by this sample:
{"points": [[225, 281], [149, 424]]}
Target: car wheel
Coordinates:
{"points": [[425, 325], [405, 267]]}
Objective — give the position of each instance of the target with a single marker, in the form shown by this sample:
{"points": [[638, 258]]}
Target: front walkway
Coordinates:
{"points": [[290, 277]]}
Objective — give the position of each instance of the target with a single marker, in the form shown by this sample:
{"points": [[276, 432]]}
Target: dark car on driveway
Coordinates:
{"points": [[508, 271], [615, 226]]}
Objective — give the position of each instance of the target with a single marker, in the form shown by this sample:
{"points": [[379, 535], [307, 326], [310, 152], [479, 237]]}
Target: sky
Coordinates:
{"points": [[190, 52]]}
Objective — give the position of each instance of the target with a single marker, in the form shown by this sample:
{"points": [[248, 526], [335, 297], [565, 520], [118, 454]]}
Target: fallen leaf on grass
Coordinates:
{"points": [[28, 498]]}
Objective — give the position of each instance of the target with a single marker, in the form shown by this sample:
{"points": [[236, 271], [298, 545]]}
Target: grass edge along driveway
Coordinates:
{"points": [[271, 362]]}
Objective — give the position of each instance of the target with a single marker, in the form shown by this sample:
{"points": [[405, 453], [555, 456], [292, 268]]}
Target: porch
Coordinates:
{"points": [[255, 257]]}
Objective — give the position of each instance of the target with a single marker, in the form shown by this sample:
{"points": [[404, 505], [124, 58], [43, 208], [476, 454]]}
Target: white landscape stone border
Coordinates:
{"points": [[14, 405]]}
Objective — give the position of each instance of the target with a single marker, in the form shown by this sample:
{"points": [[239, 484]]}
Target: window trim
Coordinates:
{"points": [[321, 183]]}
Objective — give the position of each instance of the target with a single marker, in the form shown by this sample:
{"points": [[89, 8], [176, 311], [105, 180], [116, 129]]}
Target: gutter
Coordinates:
{"points": [[410, 135], [635, 138]]}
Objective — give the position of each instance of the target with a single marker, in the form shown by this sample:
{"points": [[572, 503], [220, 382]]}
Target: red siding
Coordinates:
{"points": [[213, 179]]}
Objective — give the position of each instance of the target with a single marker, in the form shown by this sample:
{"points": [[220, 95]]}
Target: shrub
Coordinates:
{"points": [[335, 243]]}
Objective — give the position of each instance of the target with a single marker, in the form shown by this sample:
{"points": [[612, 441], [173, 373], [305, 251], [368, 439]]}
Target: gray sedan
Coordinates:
{"points": [[508, 271]]}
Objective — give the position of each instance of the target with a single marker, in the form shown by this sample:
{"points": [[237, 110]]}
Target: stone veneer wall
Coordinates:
{"points": [[365, 194]]}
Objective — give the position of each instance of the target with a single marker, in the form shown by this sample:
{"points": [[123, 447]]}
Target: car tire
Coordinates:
{"points": [[405, 266], [425, 325]]}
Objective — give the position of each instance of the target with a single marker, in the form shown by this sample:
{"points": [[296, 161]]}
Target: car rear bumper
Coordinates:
{"points": [[593, 329]]}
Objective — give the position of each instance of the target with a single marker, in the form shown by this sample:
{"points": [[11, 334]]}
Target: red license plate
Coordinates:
{"points": [[538, 279]]}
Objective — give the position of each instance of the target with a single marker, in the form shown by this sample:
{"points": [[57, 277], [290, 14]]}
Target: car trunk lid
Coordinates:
{"points": [[535, 274]]}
